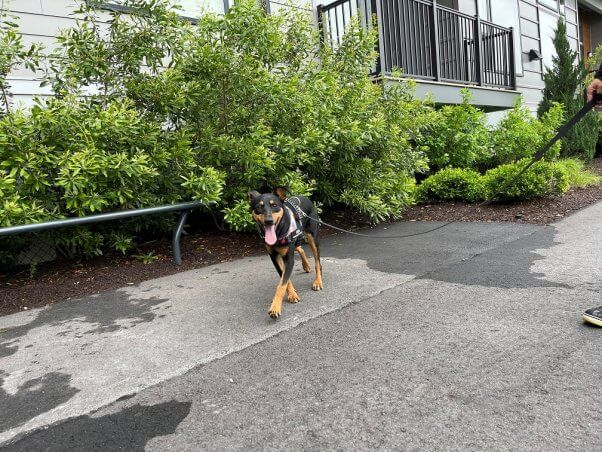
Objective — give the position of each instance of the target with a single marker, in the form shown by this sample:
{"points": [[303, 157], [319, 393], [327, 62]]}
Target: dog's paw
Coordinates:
{"points": [[317, 285], [293, 297], [274, 313], [306, 267]]}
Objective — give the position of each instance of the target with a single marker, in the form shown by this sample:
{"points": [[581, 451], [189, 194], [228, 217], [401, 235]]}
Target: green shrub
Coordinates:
{"points": [[456, 136], [73, 158], [542, 179], [578, 175], [262, 110], [520, 135], [452, 184], [153, 110]]}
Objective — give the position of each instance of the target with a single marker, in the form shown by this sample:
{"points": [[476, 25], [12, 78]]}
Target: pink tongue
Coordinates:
{"points": [[270, 235]]}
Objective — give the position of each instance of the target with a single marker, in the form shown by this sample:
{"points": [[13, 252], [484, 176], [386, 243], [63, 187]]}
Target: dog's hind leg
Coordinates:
{"points": [[304, 259], [315, 249]]}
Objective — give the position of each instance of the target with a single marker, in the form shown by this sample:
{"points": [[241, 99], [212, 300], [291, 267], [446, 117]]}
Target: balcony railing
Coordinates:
{"points": [[428, 41]]}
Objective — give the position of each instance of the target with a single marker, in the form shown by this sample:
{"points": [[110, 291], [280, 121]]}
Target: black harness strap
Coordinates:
{"points": [[297, 215]]}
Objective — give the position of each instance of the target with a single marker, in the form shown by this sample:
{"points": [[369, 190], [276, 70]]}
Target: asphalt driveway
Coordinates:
{"points": [[464, 339]]}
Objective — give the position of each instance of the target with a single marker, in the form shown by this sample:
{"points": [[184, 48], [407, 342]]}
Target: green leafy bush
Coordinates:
{"points": [[457, 136], [452, 184], [266, 103], [13, 54], [579, 176], [542, 179], [520, 135], [151, 109], [73, 158]]}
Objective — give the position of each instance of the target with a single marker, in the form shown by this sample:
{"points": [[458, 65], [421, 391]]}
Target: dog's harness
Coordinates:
{"points": [[294, 230]]}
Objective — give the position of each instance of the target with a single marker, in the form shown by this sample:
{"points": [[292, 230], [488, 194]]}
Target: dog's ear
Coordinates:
{"points": [[252, 195], [281, 192]]}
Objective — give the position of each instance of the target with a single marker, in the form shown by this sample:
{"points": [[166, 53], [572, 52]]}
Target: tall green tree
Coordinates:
{"points": [[565, 83]]}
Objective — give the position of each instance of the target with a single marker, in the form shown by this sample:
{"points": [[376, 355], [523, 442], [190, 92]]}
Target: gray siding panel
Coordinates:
{"points": [[40, 21], [60, 8], [531, 84], [41, 25]]}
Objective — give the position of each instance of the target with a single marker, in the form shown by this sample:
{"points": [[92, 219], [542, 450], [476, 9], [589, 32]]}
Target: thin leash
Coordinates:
{"points": [[538, 156]]}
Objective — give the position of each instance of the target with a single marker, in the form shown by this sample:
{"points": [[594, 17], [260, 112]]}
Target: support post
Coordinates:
{"points": [[177, 255], [377, 21], [435, 42], [512, 60], [478, 50], [321, 30]]}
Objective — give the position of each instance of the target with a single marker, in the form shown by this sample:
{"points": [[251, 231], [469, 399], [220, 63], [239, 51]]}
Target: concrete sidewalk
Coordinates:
{"points": [[501, 298]]}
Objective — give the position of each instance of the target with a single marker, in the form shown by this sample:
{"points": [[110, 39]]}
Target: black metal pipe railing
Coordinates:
{"points": [[427, 41], [184, 208]]}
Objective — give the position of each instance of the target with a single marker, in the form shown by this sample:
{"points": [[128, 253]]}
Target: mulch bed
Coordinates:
{"points": [[63, 280], [538, 211]]}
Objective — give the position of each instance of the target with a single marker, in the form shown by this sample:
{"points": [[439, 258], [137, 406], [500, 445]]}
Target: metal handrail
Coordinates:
{"points": [[185, 208], [491, 24]]}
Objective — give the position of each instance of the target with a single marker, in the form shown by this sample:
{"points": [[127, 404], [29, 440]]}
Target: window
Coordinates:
{"points": [[550, 4]]}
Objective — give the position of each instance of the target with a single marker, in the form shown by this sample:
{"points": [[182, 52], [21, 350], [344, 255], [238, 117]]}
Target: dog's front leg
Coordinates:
{"points": [[286, 255], [293, 296]]}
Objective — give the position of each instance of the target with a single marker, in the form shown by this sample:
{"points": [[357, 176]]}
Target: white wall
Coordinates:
{"points": [[39, 21], [42, 21]]}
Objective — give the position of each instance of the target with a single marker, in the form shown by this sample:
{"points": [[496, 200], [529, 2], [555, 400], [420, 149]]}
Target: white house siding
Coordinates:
{"points": [[41, 21], [537, 24]]}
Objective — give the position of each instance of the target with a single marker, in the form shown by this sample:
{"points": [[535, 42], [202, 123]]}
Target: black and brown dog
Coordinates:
{"points": [[281, 222]]}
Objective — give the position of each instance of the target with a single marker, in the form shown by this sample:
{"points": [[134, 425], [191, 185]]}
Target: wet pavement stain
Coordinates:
{"points": [[506, 267], [130, 429], [33, 398]]}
